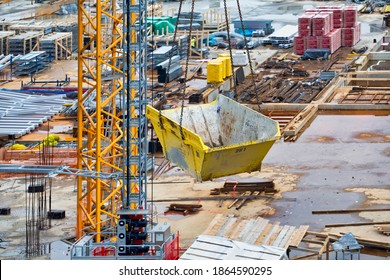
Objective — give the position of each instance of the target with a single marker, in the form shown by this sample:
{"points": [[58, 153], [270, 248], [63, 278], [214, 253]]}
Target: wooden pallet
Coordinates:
{"points": [[257, 231]]}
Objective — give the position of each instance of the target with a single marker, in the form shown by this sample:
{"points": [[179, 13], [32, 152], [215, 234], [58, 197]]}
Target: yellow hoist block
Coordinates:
{"points": [[215, 71], [217, 139]]}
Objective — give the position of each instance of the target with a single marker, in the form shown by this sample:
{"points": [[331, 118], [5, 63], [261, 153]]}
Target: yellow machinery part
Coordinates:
{"points": [[220, 138], [228, 63], [215, 71]]}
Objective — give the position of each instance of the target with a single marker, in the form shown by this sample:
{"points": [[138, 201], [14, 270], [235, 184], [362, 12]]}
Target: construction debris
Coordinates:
{"points": [[266, 186], [183, 209], [384, 230]]}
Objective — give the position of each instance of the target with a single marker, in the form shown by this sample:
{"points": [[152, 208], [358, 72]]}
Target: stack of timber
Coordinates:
{"points": [[24, 42], [4, 41], [57, 45], [21, 27], [183, 209], [32, 63], [256, 231], [266, 186]]}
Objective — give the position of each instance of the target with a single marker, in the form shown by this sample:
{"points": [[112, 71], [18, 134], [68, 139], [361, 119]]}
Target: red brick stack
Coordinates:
{"points": [[327, 27]]}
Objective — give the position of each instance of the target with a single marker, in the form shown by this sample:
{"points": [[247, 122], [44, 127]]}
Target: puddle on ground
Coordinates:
{"points": [[372, 137], [348, 129]]}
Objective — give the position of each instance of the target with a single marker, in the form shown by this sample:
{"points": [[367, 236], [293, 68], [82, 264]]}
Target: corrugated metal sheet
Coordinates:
{"points": [[21, 113], [208, 247]]}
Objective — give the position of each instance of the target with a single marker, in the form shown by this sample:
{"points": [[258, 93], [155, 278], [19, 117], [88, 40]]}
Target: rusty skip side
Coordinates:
{"points": [[220, 138]]}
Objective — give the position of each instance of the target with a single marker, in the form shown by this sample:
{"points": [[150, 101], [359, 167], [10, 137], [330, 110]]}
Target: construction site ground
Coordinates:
{"points": [[339, 162]]}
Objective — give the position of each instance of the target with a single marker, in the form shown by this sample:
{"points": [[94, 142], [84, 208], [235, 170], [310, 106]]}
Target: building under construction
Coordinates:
{"points": [[172, 130]]}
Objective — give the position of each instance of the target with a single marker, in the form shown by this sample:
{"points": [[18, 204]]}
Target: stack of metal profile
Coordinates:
{"points": [[24, 43], [162, 54], [21, 113], [180, 43], [6, 60], [197, 20], [57, 45], [175, 69], [31, 63]]}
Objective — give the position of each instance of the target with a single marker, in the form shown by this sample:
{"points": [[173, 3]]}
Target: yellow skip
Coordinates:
{"points": [[220, 138]]}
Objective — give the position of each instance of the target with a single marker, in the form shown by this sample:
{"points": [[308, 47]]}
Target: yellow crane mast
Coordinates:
{"points": [[100, 130]]}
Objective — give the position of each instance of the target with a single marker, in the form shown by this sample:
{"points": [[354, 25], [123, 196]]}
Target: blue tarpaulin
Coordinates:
{"points": [[316, 53]]}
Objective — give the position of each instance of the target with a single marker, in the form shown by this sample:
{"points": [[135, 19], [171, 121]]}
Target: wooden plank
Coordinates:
{"points": [[270, 238], [262, 223], [226, 226], [298, 236], [362, 241], [244, 233], [284, 236], [323, 248], [264, 234], [346, 211], [238, 230], [285, 243], [252, 230], [214, 223], [233, 228], [357, 224], [280, 236], [306, 256], [242, 202], [235, 201]]}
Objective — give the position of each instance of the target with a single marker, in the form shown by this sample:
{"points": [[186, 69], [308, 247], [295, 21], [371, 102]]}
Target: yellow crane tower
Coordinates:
{"points": [[114, 219], [100, 129]]}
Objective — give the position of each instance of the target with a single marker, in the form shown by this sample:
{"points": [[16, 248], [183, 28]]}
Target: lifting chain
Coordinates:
{"points": [[170, 60], [230, 46], [186, 66], [189, 46]]}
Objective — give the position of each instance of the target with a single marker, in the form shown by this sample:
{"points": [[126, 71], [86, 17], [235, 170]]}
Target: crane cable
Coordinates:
{"points": [[170, 62], [189, 52], [186, 67], [249, 57], [230, 46]]}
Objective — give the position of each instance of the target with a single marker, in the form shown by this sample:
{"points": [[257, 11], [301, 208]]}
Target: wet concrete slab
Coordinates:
{"points": [[328, 168]]}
